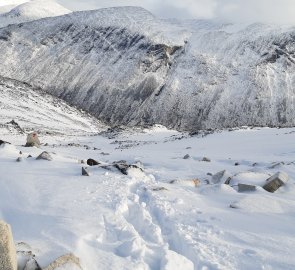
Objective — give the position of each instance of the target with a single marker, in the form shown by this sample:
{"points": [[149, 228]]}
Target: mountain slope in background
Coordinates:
{"points": [[32, 109], [31, 10], [125, 66]]}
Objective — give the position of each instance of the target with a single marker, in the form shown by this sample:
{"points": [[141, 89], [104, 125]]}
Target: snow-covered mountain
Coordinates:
{"points": [[127, 67], [24, 109], [31, 10]]}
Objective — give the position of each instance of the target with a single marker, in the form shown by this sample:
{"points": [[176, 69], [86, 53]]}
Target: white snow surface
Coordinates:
{"points": [[25, 11], [113, 221]]}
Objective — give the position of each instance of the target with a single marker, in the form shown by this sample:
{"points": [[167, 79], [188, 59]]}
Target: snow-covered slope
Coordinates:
{"points": [[32, 10], [154, 219], [127, 67], [24, 109]]}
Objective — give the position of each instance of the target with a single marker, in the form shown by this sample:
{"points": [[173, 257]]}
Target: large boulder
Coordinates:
{"points": [[65, 262], [33, 140], [8, 260], [276, 181]]}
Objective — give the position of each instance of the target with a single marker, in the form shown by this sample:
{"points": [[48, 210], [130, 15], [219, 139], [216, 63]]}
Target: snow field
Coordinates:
{"points": [[141, 221]]}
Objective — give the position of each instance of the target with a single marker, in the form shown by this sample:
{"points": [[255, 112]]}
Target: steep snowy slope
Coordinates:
{"points": [[24, 109], [32, 10], [127, 67]]}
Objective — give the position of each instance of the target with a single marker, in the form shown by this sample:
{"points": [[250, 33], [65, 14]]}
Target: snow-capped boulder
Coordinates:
{"points": [[33, 140], [8, 259], [276, 181]]}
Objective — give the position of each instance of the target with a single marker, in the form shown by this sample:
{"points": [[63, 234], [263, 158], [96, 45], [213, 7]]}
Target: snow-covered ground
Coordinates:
{"points": [[156, 218]]}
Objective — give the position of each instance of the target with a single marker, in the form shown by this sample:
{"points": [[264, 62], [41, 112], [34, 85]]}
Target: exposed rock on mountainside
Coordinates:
{"points": [[127, 67]]}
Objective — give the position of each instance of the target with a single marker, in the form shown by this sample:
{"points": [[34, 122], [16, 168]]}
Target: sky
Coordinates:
{"points": [[270, 11], [274, 11]]}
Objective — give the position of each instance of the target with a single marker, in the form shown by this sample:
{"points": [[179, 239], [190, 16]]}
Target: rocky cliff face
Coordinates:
{"points": [[127, 67]]}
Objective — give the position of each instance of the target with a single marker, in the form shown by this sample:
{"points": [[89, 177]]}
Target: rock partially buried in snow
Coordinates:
{"points": [[65, 262], [220, 177], [8, 260], [276, 181], [44, 155], [187, 156], [85, 171], [246, 188], [205, 159], [33, 140]]}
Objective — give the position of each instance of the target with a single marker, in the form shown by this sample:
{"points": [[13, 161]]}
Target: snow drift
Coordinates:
{"points": [[125, 66]]}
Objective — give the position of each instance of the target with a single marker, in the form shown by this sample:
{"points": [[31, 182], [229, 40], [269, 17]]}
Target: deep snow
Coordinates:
{"points": [[112, 221]]}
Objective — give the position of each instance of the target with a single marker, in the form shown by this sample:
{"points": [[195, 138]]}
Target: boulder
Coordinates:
{"points": [[220, 177], [68, 261], [92, 162], [8, 260], [44, 155], [3, 142], [276, 181], [33, 140]]}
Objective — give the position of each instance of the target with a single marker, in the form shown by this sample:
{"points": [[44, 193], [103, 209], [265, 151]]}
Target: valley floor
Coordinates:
{"points": [[156, 218]]}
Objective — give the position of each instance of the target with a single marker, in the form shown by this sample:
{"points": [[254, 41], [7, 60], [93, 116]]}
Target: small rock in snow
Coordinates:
{"points": [[19, 159], [196, 182], [220, 177], [205, 159], [187, 156], [85, 171], [159, 189], [237, 164], [44, 155], [276, 164]]}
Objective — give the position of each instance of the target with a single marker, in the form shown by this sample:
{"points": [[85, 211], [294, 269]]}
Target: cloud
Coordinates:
{"points": [[274, 11]]}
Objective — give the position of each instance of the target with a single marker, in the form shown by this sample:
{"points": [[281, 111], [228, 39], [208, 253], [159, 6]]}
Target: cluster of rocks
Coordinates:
{"points": [[271, 184], [122, 166], [9, 255]]}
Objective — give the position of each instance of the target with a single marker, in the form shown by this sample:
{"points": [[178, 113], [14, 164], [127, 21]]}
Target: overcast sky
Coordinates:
{"points": [[275, 11]]}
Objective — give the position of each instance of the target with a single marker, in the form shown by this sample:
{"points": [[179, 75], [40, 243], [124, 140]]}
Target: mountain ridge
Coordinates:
{"points": [[127, 67]]}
